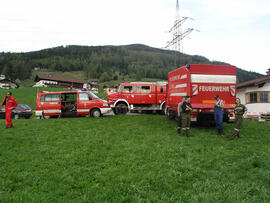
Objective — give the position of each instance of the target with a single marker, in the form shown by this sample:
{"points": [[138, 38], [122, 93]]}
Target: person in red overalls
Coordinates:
{"points": [[10, 103]]}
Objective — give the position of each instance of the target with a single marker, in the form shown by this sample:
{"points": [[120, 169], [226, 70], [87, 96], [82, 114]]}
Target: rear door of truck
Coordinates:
{"points": [[216, 80]]}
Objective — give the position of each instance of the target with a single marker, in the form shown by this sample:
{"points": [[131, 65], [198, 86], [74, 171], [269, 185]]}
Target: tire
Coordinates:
{"points": [[95, 113], [121, 109], [45, 117], [170, 115], [162, 111]]}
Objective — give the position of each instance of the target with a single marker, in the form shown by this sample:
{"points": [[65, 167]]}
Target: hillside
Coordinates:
{"points": [[105, 62]]}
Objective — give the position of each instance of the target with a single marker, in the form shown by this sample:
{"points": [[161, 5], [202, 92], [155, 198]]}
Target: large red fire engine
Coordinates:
{"points": [[138, 96], [202, 82], [70, 103]]}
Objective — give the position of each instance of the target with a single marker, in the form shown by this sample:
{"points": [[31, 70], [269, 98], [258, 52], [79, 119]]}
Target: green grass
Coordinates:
{"points": [[131, 159]]}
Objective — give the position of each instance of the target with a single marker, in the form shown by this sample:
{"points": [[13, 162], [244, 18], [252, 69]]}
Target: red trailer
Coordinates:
{"points": [[202, 82]]}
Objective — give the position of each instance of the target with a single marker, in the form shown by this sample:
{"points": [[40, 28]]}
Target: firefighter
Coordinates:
{"points": [[10, 103], [239, 111], [218, 113], [186, 108], [179, 114]]}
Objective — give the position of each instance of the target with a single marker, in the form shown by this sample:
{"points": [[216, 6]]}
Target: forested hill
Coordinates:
{"points": [[105, 62]]}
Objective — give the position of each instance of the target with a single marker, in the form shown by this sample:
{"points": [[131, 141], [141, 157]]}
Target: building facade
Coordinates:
{"points": [[255, 94]]}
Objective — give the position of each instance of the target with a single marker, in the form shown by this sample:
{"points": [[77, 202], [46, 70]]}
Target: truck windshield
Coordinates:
{"points": [[93, 95], [119, 88]]}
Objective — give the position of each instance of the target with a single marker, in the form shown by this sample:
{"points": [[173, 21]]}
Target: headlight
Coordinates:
{"points": [[105, 104]]}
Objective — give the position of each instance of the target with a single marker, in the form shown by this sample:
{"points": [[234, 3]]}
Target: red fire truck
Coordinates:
{"points": [[70, 103], [202, 82], [140, 96]]}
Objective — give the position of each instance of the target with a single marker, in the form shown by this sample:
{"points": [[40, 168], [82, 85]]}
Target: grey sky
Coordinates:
{"points": [[233, 31]]}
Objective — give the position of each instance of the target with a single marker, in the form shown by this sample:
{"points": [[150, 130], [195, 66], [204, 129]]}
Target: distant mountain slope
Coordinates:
{"points": [[105, 62]]}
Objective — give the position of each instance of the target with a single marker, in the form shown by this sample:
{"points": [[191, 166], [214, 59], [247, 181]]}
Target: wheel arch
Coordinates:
{"points": [[119, 101], [163, 105]]}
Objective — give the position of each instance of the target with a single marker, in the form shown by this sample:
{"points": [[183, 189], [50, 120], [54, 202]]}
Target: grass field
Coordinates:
{"points": [[131, 159]]}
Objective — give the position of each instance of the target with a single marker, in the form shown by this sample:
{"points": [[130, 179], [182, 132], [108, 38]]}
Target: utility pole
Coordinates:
{"points": [[178, 35]]}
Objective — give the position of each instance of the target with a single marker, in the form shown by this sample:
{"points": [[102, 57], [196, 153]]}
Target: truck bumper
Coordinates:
{"points": [[105, 110], [38, 113]]}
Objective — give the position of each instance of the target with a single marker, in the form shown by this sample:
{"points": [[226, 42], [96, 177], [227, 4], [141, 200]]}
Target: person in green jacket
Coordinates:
{"points": [[239, 111]]}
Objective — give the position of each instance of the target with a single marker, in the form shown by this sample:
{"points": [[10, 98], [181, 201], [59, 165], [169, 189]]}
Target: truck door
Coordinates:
{"points": [[51, 104], [128, 93], [85, 103], [143, 94], [160, 94]]}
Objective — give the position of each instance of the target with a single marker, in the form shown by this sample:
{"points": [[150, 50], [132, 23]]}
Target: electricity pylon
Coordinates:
{"points": [[178, 35]]}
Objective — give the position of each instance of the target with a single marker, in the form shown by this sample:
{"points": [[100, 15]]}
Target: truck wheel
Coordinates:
{"points": [[121, 109], [170, 115], [162, 111], [95, 113]]}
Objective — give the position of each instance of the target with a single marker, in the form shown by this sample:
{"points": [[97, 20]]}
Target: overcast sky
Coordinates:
{"points": [[233, 31]]}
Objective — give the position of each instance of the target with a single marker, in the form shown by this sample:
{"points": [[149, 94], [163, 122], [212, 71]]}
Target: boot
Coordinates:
{"points": [[238, 135], [184, 133], [187, 133], [179, 130], [233, 136], [218, 131], [221, 131]]}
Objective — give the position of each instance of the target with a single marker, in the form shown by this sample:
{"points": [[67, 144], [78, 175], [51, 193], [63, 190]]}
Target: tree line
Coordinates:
{"points": [[105, 62]]}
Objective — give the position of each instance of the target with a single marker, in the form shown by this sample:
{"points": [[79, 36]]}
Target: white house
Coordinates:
{"points": [[255, 94]]}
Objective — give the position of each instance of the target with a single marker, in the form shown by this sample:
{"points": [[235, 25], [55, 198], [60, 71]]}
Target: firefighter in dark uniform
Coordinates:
{"points": [[239, 111], [179, 114], [186, 108]]}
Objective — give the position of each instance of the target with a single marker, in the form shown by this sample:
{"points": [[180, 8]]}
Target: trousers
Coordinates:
{"points": [[8, 118], [186, 123], [218, 118]]}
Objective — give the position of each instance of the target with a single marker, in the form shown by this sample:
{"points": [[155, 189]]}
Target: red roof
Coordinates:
{"points": [[254, 82], [60, 79]]}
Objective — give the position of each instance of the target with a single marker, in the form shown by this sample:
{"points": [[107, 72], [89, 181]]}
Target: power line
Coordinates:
{"points": [[178, 35]]}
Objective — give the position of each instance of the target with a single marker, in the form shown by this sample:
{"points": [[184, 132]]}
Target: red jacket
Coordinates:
{"points": [[9, 103]]}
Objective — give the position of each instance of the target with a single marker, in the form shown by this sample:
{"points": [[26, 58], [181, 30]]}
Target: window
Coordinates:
{"points": [[263, 97], [51, 97], [93, 95], [42, 98], [137, 89], [253, 97], [127, 89], [146, 89], [258, 97], [84, 97], [119, 88]]}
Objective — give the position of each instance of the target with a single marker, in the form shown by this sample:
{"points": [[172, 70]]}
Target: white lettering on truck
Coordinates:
{"points": [[214, 89]]}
